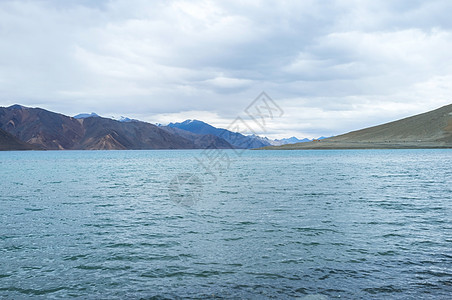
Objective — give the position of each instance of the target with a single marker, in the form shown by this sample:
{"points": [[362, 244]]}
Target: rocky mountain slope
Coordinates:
{"points": [[10, 142]]}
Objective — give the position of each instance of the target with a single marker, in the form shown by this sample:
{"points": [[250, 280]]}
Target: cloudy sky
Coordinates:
{"points": [[332, 66]]}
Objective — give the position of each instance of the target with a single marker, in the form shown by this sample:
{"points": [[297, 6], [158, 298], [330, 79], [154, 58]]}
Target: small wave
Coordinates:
{"points": [[33, 292], [266, 275], [76, 257], [121, 245], [383, 289], [33, 209], [103, 268], [436, 273], [387, 253]]}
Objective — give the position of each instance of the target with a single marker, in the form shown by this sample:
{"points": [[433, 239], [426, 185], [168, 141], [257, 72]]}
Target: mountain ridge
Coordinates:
{"points": [[53, 131], [236, 139]]}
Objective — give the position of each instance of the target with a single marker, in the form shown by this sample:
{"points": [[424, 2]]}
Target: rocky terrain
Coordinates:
{"points": [[10, 142]]}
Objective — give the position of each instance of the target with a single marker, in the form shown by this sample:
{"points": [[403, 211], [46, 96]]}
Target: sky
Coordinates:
{"points": [[331, 66]]}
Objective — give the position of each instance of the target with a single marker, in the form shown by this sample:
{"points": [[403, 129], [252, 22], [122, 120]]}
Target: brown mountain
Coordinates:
{"points": [[10, 142], [102, 133], [432, 129], [54, 131], [40, 127]]}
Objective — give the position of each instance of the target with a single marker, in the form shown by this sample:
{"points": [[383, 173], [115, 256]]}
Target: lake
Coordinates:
{"points": [[267, 224]]}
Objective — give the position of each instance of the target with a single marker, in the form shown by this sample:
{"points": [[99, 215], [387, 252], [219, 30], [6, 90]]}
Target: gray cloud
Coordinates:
{"points": [[333, 66]]}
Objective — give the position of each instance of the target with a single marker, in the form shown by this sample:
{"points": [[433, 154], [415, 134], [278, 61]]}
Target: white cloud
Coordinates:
{"points": [[226, 83], [333, 66]]}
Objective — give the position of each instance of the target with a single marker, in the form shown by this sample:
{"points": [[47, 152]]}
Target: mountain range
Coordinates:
{"points": [[35, 128], [234, 138], [25, 128], [432, 129]]}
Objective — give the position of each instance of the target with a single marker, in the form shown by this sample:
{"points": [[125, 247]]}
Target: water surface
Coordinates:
{"points": [[275, 224]]}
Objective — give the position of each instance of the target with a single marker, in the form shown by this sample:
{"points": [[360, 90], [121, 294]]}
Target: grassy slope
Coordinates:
{"points": [[432, 129]]}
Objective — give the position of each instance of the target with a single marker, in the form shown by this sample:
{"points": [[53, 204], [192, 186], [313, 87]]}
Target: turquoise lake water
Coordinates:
{"points": [[348, 224]]}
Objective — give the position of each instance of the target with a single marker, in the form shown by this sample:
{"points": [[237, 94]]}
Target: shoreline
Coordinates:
{"points": [[330, 145]]}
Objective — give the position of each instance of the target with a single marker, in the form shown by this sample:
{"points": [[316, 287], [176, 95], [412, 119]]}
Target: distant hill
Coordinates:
{"points": [[201, 140], [53, 131], [84, 116], [236, 139], [94, 115], [292, 140], [432, 129], [285, 141], [126, 119], [10, 142]]}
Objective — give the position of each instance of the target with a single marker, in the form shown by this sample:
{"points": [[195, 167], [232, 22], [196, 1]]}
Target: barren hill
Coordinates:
{"points": [[432, 129], [10, 142]]}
